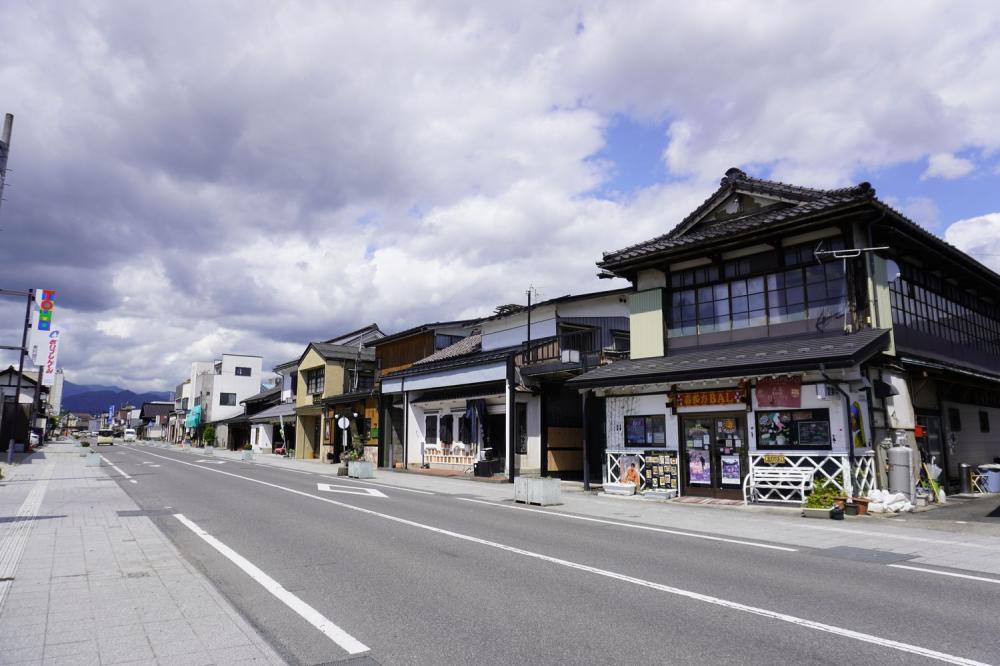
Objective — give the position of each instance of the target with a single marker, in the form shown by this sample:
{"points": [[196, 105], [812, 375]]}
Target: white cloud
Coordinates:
{"points": [[978, 236], [210, 177], [947, 166]]}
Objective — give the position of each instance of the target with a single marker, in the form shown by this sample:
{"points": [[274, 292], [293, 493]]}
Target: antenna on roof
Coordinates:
{"points": [[843, 255]]}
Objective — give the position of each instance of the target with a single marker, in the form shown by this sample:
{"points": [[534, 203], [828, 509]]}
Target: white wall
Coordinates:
{"points": [[261, 437], [228, 382], [971, 445], [637, 405]]}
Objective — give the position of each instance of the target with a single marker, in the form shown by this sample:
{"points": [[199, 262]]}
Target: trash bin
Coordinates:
{"points": [[964, 478], [991, 477]]}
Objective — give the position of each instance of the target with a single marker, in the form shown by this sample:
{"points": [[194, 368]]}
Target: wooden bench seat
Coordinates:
{"points": [[777, 484]]}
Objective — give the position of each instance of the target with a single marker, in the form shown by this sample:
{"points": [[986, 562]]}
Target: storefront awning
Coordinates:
{"points": [[760, 357], [470, 392], [275, 413]]}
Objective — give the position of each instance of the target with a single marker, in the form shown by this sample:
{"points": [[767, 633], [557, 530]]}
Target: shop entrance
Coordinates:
{"points": [[930, 443], [714, 454], [496, 440]]}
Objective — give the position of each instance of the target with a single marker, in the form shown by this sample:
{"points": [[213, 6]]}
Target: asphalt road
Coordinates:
{"points": [[436, 579]]}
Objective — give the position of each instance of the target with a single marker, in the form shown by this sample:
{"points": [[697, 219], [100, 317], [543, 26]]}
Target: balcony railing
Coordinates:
{"points": [[580, 348]]}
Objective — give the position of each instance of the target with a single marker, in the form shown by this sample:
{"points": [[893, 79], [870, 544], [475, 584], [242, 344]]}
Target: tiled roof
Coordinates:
{"points": [[760, 356], [795, 202], [468, 345], [420, 329], [263, 394], [347, 352]]}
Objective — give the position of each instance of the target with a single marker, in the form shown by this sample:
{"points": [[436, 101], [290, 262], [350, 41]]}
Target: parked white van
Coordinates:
{"points": [[129, 434]]}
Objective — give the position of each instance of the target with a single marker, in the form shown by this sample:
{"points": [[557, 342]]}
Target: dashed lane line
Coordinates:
{"points": [[676, 591]]}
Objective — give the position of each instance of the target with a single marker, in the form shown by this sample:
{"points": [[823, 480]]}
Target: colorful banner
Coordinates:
{"points": [[41, 325]]}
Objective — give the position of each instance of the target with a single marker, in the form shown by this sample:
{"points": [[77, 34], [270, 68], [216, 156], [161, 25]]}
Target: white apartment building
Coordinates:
{"points": [[219, 386]]}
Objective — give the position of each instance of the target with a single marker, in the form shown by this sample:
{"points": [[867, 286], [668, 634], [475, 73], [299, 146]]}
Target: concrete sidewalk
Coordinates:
{"points": [[86, 579], [970, 547]]}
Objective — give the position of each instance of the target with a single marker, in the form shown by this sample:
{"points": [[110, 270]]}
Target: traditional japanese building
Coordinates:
{"points": [[780, 326]]}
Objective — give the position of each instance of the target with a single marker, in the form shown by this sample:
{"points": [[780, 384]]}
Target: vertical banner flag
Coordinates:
{"points": [[48, 359], [111, 414], [41, 325]]}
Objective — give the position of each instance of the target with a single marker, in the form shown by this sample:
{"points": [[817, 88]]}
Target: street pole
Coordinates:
{"points": [[8, 126], [20, 362]]}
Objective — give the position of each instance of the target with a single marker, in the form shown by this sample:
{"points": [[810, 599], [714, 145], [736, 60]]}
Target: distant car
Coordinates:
{"points": [[130, 435], [105, 436], [33, 439]]}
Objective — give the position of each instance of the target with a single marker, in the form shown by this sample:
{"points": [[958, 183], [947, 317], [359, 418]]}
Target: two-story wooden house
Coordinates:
{"points": [[785, 326], [495, 402], [395, 353], [336, 378]]}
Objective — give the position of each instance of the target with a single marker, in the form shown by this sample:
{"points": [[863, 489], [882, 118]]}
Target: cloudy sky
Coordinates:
{"points": [[194, 178]]}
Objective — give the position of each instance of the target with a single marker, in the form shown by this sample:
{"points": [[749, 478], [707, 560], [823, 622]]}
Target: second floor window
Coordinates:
{"points": [[227, 399], [791, 295], [242, 372], [315, 380]]}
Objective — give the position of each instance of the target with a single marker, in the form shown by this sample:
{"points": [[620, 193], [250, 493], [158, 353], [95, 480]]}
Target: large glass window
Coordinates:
{"points": [[923, 302], [804, 429], [646, 430], [809, 290]]}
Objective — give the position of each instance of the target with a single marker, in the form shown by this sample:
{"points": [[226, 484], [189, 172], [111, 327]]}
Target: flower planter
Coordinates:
{"points": [[342, 470], [862, 504], [824, 513], [360, 469], [247, 456], [840, 501], [93, 459], [619, 489]]}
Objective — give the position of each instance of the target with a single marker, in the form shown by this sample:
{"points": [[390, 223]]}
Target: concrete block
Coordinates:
{"points": [[360, 469], [540, 491]]}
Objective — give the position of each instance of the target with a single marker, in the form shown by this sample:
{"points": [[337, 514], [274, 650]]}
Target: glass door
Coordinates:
{"points": [[714, 458]]}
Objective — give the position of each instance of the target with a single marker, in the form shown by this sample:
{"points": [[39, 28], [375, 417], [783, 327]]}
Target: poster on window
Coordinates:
{"points": [[699, 467], [635, 430], [731, 470]]}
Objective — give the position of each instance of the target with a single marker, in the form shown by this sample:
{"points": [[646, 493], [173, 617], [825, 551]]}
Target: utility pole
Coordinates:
{"points": [[8, 126]]}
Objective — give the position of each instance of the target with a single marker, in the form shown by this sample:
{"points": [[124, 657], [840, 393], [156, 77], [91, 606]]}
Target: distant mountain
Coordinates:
{"points": [[95, 399], [69, 388]]}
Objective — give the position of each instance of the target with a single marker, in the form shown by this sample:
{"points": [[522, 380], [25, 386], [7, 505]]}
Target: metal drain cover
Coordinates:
{"points": [[863, 555]]}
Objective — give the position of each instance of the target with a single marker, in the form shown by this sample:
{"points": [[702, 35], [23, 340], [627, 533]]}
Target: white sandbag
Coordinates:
{"points": [[876, 507]]}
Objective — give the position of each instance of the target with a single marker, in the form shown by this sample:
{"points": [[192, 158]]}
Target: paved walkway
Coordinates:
{"points": [[83, 582], [962, 546]]}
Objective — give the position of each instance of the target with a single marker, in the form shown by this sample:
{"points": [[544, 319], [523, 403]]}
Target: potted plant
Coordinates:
{"points": [[247, 451], [821, 500]]}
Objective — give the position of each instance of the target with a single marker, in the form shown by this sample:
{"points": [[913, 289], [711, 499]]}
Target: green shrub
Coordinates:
{"points": [[209, 435], [822, 495]]}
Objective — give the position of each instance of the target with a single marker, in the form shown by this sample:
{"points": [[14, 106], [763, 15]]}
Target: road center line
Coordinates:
{"points": [[304, 610], [946, 573], [118, 469], [697, 596], [647, 528]]}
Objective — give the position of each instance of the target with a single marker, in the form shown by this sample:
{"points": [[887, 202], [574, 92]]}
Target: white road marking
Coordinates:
{"points": [[211, 462], [383, 485], [716, 601], [646, 528], [146, 462], [118, 469], [304, 610], [946, 573], [365, 492]]}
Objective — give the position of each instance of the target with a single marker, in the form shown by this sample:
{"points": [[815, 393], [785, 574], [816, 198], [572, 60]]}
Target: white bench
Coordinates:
{"points": [[777, 484]]}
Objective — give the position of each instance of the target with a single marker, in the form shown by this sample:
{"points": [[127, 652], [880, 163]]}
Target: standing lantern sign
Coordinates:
{"points": [[343, 422]]}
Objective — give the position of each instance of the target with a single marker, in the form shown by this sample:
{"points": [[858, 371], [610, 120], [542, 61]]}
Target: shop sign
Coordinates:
{"points": [[708, 398], [780, 391], [774, 459], [51, 355]]}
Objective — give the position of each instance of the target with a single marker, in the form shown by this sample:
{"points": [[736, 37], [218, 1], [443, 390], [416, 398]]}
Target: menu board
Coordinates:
{"points": [[661, 470]]}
